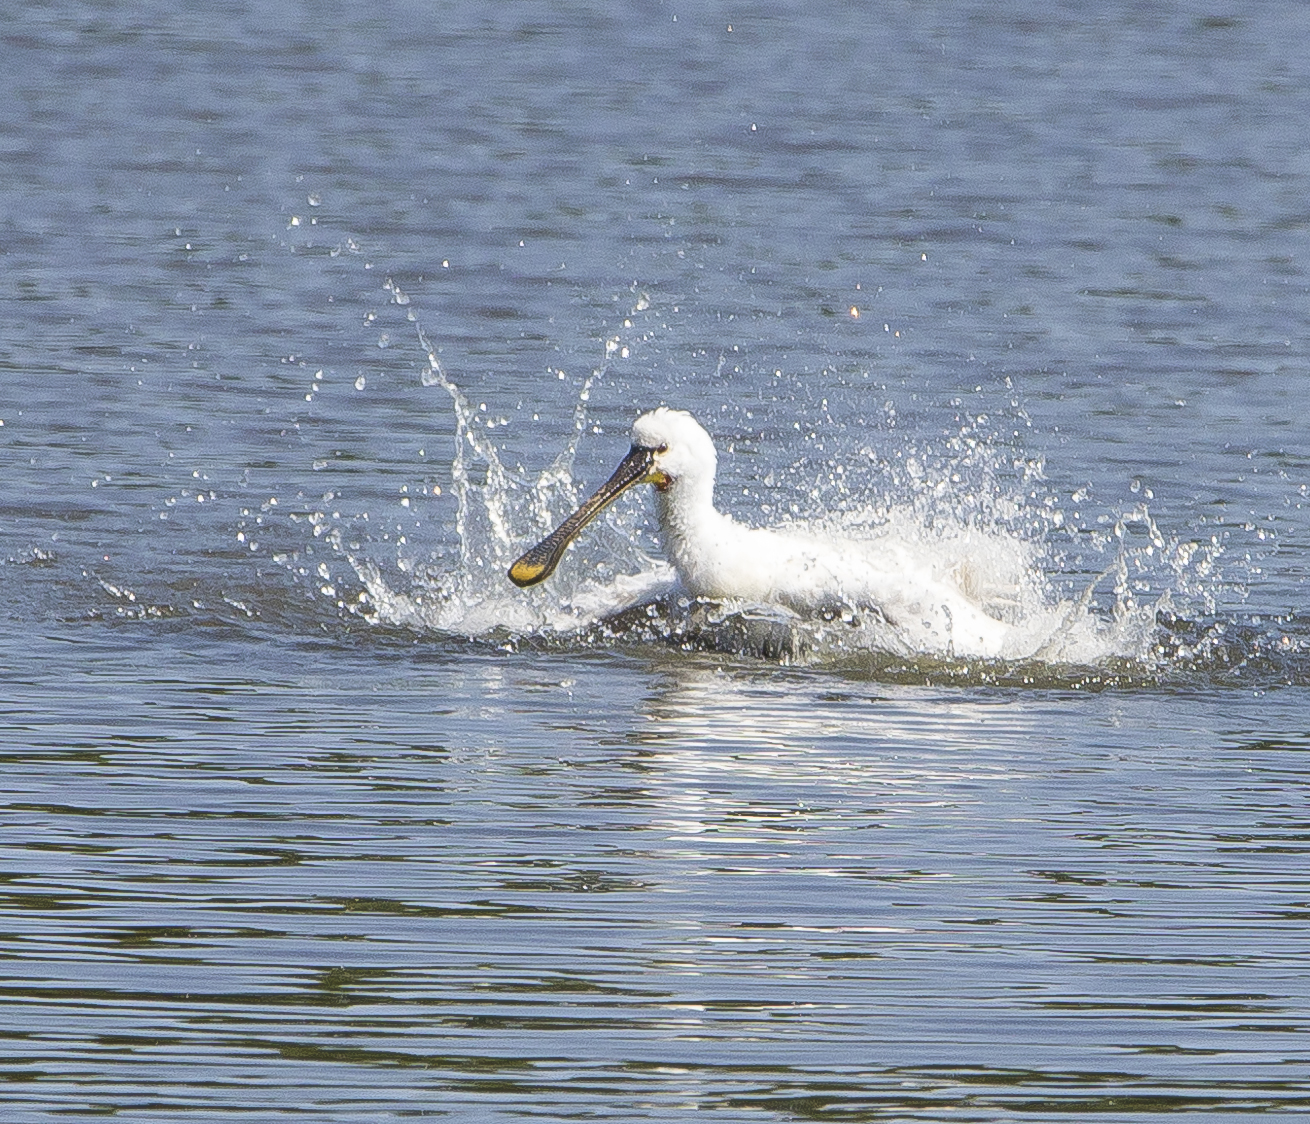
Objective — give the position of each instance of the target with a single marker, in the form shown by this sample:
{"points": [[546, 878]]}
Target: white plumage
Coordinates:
{"points": [[720, 559]]}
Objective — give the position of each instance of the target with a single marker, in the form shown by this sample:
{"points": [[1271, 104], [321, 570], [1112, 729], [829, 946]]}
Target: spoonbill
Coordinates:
{"points": [[718, 558]]}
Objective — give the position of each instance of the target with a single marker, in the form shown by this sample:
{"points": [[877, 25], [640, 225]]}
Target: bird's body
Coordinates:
{"points": [[720, 559]]}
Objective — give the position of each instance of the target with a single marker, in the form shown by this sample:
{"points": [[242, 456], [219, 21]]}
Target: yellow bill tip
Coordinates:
{"points": [[524, 573]]}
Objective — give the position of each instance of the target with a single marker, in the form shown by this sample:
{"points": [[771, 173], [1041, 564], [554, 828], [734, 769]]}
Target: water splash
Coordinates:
{"points": [[469, 595], [1119, 600]]}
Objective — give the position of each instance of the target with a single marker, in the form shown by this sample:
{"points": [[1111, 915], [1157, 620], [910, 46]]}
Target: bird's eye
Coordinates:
{"points": [[661, 448]]}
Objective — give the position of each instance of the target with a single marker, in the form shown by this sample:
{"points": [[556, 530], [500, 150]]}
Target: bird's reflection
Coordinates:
{"points": [[734, 750]]}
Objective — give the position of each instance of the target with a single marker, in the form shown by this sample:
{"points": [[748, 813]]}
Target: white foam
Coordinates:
{"points": [[972, 538]]}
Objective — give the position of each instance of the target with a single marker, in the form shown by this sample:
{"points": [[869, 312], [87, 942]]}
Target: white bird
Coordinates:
{"points": [[720, 559]]}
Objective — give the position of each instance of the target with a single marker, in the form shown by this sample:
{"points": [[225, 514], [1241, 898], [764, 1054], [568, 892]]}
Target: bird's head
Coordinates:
{"points": [[669, 447], [678, 447]]}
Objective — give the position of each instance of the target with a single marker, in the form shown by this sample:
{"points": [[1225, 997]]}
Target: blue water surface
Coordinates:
{"points": [[274, 849]]}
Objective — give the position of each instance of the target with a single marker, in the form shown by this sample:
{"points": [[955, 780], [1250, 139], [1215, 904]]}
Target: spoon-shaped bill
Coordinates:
{"points": [[540, 562]]}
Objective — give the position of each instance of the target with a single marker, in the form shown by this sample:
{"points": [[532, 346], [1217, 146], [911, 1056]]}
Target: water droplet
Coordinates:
{"points": [[359, 383]]}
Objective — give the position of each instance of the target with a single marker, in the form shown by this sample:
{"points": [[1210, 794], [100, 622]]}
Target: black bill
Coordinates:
{"points": [[540, 562]]}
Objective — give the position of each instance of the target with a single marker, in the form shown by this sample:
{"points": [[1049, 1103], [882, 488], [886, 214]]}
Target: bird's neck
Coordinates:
{"points": [[688, 519]]}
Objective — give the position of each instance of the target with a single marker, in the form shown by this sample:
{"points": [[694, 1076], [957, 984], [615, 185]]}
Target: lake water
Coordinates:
{"points": [[315, 316]]}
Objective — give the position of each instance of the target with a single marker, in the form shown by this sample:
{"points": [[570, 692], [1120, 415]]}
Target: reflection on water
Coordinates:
{"points": [[766, 896], [737, 756]]}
